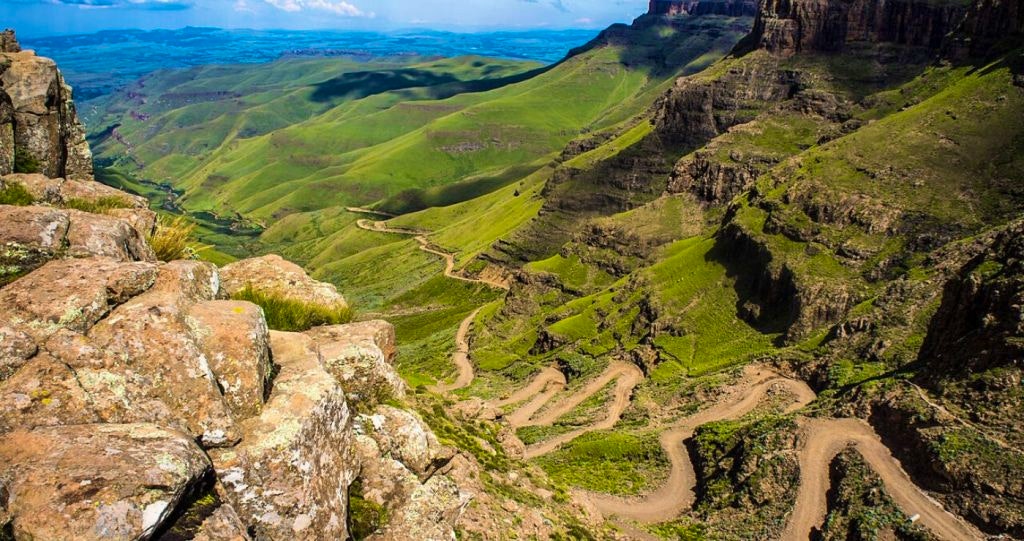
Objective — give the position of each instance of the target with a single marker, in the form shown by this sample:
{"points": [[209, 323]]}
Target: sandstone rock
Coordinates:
{"points": [[222, 525], [58, 190], [8, 42], [144, 363], [289, 477], [401, 435], [360, 356], [31, 235], [429, 513], [46, 125], [96, 481], [273, 274], [96, 234], [72, 294], [142, 220], [384, 480], [16, 347], [234, 337], [39, 229], [44, 392]]}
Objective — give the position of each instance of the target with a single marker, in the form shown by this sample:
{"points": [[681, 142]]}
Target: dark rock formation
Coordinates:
{"points": [[792, 26], [8, 43]]}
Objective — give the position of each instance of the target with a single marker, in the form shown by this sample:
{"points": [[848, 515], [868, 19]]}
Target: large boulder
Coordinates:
{"points": [[222, 525], [234, 337], [46, 126], [403, 436], [289, 477], [32, 235], [361, 357], [44, 392], [99, 481], [58, 191], [273, 274], [145, 365], [72, 294]]}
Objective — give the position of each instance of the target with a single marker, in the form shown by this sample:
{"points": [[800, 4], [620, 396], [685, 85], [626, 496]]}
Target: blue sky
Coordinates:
{"points": [[47, 17]]}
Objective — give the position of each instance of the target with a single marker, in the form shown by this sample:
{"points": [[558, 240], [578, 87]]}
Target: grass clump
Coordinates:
{"points": [[170, 240], [101, 205], [15, 194], [293, 315], [364, 517], [24, 162]]}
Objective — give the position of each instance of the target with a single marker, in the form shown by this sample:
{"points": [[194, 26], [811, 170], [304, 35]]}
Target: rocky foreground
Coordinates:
{"points": [[138, 401]]}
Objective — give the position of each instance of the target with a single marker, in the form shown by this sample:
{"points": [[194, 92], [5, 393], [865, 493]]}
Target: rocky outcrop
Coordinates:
{"points": [[47, 134], [136, 401], [711, 180], [361, 357], [400, 463], [696, 110], [98, 482], [273, 274], [789, 27], [8, 43], [289, 476], [990, 27]]}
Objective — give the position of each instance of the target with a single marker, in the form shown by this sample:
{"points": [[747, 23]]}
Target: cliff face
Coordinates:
{"points": [[792, 26], [38, 121]]}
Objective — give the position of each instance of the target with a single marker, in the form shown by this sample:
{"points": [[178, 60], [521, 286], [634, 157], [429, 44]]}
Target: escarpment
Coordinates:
{"points": [[138, 401]]}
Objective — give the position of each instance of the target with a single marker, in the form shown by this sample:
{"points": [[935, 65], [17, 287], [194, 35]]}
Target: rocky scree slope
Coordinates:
{"points": [[137, 401]]}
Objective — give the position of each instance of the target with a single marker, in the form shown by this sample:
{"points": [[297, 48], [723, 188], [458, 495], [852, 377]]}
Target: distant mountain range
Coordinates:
{"points": [[97, 64]]}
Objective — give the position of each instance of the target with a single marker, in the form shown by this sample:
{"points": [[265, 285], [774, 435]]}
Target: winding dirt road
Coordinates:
{"points": [[460, 358], [821, 439], [461, 355], [677, 494]]}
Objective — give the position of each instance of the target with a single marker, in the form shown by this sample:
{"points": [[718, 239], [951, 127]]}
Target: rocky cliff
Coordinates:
{"points": [[792, 26], [39, 128], [138, 401], [675, 8]]}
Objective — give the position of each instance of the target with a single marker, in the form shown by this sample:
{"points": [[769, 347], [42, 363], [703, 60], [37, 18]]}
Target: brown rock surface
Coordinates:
{"points": [[234, 337], [58, 190], [46, 125], [44, 392], [149, 365], [72, 293], [222, 525], [96, 481], [273, 274], [289, 476], [361, 356]]}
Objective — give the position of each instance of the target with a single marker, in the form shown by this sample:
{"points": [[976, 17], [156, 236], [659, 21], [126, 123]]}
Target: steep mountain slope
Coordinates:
{"points": [[820, 200]]}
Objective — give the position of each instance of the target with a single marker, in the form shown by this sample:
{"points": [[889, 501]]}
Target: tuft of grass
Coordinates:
{"points": [[364, 516], [24, 162], [15, 194], [170, 240], [288, 314], [101, 205]]}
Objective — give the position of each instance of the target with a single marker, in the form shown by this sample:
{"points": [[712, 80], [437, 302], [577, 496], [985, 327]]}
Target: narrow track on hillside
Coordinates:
{"points": [[461, 355], [820, 439]]}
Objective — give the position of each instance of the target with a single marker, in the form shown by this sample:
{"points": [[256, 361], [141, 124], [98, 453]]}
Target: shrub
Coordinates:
{"points": [[288, 314], [15, 194], [98, 206], [170, 240], [24, 162]]}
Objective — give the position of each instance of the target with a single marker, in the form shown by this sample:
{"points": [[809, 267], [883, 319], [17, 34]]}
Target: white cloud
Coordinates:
{"points": [[339, 7]]}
